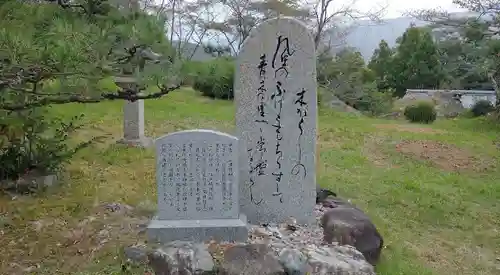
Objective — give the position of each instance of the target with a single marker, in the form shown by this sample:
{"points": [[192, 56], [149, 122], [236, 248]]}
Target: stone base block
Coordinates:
{"points": [[143, 142], [230, 230]]}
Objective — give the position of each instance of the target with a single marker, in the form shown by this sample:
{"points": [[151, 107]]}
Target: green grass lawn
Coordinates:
{"points": [[433, 191]]}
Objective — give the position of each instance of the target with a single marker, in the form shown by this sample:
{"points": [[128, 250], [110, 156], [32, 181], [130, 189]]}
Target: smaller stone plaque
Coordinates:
{"points": [[197, 176], [196, 173]]}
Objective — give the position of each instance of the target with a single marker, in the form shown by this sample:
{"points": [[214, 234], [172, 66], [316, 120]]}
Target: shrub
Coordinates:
{"points": [[33, 141], [374, 102], [420, 112], [190, 70], [215, 79], [482, 108]]}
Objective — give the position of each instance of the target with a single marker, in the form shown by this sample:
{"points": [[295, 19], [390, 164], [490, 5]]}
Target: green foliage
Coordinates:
{"points": [[215, 79], [190, 71], [416, 62], [32, 142], [345, 74], [347, 77], [423, 112], [465, 57], [482, 108], [62, 55], [79, 46], [375, 102], [380, 64]]}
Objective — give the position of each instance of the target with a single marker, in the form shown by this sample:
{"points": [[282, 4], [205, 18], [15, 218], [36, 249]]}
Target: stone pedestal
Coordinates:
{"points": [[133, 125], [229, 230], [133, 118]]}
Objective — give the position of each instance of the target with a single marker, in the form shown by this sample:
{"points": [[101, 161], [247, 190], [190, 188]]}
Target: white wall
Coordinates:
{"points": [[469, 100]]}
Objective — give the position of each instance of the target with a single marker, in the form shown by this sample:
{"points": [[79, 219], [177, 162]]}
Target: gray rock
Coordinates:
{"points": [[250, 259], [136, 253], [181, 258], [117, 207], [32, 182], [294, 262], [350, 226], [338, 260], [338, 105], [322, 194], [329, 203], [291, 224], [338, 202]]}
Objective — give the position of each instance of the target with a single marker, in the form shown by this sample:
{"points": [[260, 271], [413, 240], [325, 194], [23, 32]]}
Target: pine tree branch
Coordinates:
{"points": [[125, 94]]}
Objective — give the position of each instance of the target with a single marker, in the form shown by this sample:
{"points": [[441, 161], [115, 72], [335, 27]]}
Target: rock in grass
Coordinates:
{"points": [[251, 259], [350, 226], [179, 258], [338, 260], [294, 262]]}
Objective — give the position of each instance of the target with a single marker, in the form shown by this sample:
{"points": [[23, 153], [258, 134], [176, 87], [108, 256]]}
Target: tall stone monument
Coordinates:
{"points": [[276, 121]]}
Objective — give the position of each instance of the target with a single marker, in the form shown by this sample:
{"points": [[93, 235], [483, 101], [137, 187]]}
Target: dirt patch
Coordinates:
{"points": [[445, 156], [409, 128], [375, 155]]}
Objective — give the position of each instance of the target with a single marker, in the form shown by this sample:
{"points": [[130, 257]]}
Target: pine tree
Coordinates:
{"points": [[380, 64], [416, 63]]}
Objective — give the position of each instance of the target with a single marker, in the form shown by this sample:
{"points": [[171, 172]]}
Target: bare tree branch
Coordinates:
{"points": [[325, 16]]}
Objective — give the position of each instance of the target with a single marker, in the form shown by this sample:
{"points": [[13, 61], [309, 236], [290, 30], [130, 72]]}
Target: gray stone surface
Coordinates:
{"points": [[251, 259], [163, 231], [338, 260], [136, 253], [305, 243], [197, 178], [143, 142], [276, 119], [181, 258], [33, 181], [196, 175], [294, 262], [133, 125]]}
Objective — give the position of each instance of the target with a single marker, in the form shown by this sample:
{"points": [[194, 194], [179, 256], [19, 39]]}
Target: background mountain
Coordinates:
{"points": [[188, 49], [366, 36]]}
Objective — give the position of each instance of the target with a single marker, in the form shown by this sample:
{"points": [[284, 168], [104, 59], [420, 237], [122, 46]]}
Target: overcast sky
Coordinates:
{"points": [[397, 8], [394, 8]]}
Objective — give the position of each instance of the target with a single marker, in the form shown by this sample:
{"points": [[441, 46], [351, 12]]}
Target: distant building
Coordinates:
{"points": [[466, 97]]}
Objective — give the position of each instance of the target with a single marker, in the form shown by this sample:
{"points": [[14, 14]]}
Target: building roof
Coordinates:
{"points": [[463, 92]]}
